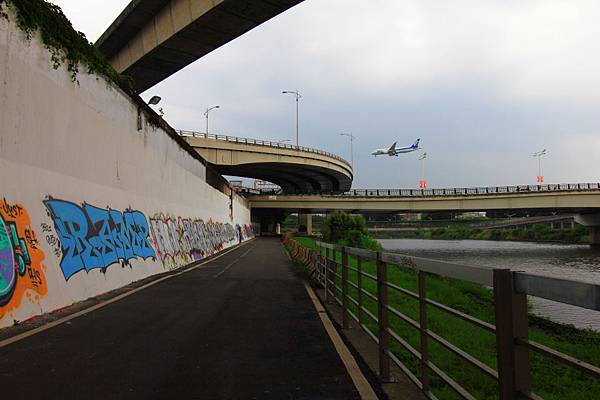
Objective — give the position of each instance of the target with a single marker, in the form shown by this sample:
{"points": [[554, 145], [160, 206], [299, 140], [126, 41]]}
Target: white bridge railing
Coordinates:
{"points": [[267, 143], [519, 189]]}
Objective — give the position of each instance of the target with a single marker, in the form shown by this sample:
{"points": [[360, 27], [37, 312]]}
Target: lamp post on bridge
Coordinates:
{"points": [[539, 155], [423, 182], [208, 110], [298, 97]]}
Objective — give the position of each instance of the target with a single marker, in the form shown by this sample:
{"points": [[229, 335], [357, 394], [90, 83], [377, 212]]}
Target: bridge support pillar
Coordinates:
{"points": [[305, 223], [268, 221], [593, 221], [595, 236]]}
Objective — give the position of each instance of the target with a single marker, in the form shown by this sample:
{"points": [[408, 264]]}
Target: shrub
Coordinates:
{"points": [[348, 230]]}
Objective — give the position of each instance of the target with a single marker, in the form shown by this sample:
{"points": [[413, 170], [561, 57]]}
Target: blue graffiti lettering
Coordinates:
{"points": [[93, 237]]}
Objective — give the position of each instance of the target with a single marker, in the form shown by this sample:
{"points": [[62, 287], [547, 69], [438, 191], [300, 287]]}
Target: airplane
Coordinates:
{"points": [[393, 151]]}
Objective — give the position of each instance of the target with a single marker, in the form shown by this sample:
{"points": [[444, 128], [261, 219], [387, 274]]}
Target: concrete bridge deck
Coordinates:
{"points": [[239, 327], [568, 198], [296, 169]]}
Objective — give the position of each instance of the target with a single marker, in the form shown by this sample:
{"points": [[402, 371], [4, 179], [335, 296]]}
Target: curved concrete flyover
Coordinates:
{"points": [[568, 198], [296, 169]]}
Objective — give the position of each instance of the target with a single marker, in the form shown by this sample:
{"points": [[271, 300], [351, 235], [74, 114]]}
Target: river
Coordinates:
{"points": [[577, 262]]}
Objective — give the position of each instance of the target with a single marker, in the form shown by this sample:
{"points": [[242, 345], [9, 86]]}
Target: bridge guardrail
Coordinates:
{"points": [[520, 189], [513, 374], [257, 142]]}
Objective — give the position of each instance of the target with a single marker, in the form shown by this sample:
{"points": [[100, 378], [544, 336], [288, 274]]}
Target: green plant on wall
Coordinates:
{"points": [[66, 45]]}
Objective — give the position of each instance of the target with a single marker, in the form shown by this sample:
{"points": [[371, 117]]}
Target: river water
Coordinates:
{"points": [[577, 262]]}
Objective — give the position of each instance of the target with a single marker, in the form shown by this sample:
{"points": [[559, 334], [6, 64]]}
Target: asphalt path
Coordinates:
{"points": [[240, 327]]}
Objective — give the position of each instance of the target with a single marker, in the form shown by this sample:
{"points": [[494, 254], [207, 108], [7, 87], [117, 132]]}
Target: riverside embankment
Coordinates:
{"points": [[551, 380]]}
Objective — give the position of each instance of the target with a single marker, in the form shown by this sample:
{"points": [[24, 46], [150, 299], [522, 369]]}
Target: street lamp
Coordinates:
{"points": [[154, 100], [352, 137], [539, 155], [298, 97], [208, 110], [423, 182]]}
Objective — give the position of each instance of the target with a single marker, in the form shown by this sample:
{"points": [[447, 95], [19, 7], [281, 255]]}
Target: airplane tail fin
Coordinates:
{"points": [[392, 148], [416, 144]]}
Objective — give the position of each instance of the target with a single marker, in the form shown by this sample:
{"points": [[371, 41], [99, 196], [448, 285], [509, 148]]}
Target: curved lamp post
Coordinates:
{"points": [[352, 137], [208, 110]]}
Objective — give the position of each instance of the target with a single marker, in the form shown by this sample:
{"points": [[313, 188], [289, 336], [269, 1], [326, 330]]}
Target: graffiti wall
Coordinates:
{"points": [[82, 179], [22, 274], [179, 241], [93, 237]]}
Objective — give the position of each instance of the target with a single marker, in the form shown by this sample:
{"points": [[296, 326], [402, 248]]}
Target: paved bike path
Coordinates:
{"points": [[240, 327]]}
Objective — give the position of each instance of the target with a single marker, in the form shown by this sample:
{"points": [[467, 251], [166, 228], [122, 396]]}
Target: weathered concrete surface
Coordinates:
{"points": [[153, 39], [240, 327], [89, 203]]}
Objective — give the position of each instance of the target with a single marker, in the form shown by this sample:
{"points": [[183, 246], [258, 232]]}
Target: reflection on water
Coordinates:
{"points": [[578, 262]]}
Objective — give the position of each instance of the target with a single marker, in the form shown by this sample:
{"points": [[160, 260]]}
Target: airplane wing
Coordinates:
{"points": [[392, 149]]}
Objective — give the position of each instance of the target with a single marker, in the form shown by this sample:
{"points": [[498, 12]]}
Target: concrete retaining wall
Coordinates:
{"points": [[89, 203]]}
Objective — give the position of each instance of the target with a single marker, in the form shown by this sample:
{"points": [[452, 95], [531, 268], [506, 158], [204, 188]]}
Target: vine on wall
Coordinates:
{"points": [[65, 44]]}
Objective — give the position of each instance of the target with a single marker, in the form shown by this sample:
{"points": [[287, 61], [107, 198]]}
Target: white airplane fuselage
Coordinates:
{"points": [[393, 151]]}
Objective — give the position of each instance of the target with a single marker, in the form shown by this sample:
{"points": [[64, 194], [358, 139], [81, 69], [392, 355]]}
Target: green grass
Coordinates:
{"points": [[550, 379], [538, 233]]}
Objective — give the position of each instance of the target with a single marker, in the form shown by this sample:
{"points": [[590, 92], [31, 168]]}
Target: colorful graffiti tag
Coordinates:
{"points": [[179, 241], [21, 269], [92, 237]]}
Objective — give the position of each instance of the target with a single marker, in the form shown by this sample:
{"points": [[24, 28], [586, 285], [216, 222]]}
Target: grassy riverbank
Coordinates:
{"points": [[551, 380], [538, 233]]}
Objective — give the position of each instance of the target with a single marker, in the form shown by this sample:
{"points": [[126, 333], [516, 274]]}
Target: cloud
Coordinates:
{"points": [[484, 84]]}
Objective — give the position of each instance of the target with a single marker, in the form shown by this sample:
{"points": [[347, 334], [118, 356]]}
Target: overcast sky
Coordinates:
{"points": [[484, 84]]}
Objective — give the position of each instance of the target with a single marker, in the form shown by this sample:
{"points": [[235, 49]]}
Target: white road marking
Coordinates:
{"points": [[95, 307], [232, 263]]}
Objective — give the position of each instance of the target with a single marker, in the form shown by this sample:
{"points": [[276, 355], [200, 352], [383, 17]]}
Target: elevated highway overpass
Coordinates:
{"points": [[152, 39], [582, 199], [295, 169]]}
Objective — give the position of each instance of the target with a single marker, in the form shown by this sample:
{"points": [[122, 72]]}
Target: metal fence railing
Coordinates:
{"points": [[513, 374], [493, 190], [267, 143]]}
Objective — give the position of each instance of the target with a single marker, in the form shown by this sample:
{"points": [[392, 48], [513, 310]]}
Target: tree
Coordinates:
{"points": [[348, 230]]}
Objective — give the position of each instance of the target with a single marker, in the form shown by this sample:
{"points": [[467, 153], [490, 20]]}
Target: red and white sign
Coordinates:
{"points": [[422, 184], [540, 179]]}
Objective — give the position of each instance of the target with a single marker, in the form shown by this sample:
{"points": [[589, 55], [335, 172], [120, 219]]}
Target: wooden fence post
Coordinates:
{"points": [[514, 367], [360, 288], [326, 273], [423, 331], [345, 316], [383, 316]]}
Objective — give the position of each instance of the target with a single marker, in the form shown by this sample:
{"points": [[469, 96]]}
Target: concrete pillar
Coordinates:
{"points": [[305, 223], [595, 236], [309, 224], [593, 221]]}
